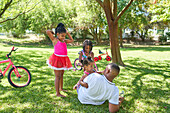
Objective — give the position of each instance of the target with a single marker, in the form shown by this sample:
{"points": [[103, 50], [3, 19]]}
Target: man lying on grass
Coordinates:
{"points": [[100, 88]]}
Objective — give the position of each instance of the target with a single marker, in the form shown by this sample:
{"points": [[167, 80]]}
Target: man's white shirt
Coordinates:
{"points": [[99, 90]]}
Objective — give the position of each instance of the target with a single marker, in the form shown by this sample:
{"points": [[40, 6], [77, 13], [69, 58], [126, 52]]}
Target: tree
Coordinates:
{"points": [[90, 19], [160, 11], [44, 18], [10, 10], [110, 9], [41, 18], [125, 19]]}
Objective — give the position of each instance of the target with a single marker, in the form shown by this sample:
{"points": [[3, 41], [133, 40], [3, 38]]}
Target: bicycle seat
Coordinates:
{"points": [[100, 52]]}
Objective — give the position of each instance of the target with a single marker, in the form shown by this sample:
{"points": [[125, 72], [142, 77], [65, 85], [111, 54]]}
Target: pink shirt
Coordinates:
{"points": [[60, 49]]}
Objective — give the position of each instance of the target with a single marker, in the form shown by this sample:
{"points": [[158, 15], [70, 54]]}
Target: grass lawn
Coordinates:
{"points": [[145, 80]]}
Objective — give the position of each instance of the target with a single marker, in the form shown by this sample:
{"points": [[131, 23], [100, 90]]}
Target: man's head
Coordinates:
{"points": [[111, 71]]}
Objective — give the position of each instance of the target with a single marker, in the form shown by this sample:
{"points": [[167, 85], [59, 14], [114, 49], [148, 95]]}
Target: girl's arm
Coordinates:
{"points": [[50, 34], [80, 56], [84, 84], [70, 40], [79, 82], [92, 55]]}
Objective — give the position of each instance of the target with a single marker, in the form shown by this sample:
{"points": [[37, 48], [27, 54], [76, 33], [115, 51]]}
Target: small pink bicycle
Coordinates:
{"points": [[78, 65], [18, 76]]}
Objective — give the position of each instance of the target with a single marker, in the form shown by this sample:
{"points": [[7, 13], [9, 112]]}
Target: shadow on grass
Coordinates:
{"points": [[32, 44], [161, 49], [40, 96], [148, 85]]}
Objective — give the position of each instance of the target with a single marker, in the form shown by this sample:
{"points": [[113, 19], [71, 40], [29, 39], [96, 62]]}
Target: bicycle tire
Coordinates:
{"points": [[17, 82], [78, 67], [95, 66], [99, 57], [108, 58], [96, 59]]}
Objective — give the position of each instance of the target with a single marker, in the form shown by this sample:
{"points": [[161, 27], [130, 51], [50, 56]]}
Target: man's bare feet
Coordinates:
{"points": [[59, 95]]}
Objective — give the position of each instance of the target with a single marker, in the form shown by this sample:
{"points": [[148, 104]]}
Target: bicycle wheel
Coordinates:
{"points": [[96, 59], [95, 66], [22, 81], [100, 58], [108, 58], [77, 64]]}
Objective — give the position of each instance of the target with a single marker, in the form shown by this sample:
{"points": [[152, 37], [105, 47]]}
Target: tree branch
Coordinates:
{"points": [[108, 10], [115, 9], [100, 2], [124, 9], [20, 14], [5, 7]]}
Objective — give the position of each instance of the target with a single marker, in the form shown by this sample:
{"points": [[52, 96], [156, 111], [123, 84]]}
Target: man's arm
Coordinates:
{"points": [[115, 108]]}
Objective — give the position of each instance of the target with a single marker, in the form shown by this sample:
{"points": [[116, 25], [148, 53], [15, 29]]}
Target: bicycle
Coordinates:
{"points": [[108, 58], [78, 65], [18, 76]]}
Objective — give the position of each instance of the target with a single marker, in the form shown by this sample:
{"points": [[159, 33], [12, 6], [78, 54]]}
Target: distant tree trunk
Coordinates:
{"points": [[47, 38], [142, 36], [121, 39], [99, 37], [84, 34], [94, 34]]}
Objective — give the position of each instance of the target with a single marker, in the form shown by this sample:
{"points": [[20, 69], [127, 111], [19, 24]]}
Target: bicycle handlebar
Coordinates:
{"points": [[11, 51]]}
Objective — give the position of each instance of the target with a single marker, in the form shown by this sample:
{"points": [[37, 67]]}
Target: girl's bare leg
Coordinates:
{"points": [[57, 82], [61, 81]]}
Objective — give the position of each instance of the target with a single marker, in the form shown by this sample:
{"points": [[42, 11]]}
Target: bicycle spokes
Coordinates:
{"points": [[19, 77], [17, 73], [77, 64]]}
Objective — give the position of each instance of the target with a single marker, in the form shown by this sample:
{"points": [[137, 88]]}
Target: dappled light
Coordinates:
{"points": [[134, 34], [143, 80]]}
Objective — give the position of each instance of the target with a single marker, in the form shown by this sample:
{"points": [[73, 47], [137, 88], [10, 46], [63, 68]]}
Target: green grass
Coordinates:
{"points": [[145, 80]]}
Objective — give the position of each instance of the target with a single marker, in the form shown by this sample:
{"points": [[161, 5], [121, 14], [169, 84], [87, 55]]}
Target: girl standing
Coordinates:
{"points": [[59, 61]]}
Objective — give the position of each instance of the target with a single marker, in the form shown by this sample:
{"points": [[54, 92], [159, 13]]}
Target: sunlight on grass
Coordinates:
{"points": [[145, 80]]}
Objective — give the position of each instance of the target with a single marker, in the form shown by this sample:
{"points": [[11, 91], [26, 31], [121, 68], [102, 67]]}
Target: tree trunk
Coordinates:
{"points": [[113, 35], [114, 43], [121, 39], [112, 20]]}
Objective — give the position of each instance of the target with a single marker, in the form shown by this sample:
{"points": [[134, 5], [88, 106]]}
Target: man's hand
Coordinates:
{"points": [[100, 72], [121, 99], [115, 108]]}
